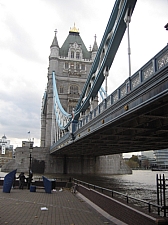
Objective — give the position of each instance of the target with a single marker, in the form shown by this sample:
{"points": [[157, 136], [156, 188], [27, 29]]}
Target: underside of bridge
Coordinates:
{"points": [[140, 130]]}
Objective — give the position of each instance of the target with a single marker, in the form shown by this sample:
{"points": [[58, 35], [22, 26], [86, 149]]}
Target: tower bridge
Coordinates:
{"points": [[133, 118], [80, 135]]}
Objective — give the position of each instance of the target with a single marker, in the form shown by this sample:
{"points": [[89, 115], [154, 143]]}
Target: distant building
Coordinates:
{"points": [[27, 144], [155, 159], [148, 159], [161, 158], [5, 145], [6, 150]]}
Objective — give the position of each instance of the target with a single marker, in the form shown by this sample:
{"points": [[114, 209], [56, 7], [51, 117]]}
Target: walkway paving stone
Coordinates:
{"points": [[22, 207]]}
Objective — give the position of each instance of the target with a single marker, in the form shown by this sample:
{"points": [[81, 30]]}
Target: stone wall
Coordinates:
{"points": [[4, 158], [111, 164], [44, 163]]}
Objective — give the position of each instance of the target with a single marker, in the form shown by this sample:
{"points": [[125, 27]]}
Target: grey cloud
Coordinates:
{"points": [[75, 11], [20, 42], [20, 114]]}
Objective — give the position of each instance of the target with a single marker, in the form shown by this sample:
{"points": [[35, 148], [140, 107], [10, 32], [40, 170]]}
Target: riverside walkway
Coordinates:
{"points": [[22, 207]]}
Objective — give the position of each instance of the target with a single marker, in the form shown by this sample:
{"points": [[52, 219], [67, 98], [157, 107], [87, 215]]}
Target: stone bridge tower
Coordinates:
{"points": [[71, 63]]}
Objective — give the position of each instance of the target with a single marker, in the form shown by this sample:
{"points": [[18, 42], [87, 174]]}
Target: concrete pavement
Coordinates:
{"points": [[22, 207]]}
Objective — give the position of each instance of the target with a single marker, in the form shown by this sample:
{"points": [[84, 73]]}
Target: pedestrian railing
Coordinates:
{"points": [[129, 199]]}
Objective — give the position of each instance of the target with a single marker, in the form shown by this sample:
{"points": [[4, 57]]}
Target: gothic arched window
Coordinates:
{"points": [[61, 90], [66, 65], [77, 55], [74, 89], [72, 54], [77, 66], [83, 66]]}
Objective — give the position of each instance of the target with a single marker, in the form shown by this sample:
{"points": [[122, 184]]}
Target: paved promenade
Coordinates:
{"points": [[22, 207]]}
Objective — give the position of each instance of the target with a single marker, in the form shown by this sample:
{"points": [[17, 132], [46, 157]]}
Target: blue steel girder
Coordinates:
{"points": [[109, 45], [102, 92], [63, 118]]}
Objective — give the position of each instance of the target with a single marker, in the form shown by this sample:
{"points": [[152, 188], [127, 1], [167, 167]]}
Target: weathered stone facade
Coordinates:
{"points": [[71, 63]]}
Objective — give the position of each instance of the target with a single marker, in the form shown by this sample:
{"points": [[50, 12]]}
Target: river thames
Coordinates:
{"points": [[140, 184]]}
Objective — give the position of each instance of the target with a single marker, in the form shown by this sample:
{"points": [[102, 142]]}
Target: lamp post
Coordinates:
{"points": [[30, 166]]}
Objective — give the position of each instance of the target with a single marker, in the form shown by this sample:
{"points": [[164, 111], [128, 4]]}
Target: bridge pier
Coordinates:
{"points": [[44, 163]]}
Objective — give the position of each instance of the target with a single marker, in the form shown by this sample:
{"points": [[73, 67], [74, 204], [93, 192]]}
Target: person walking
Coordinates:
{"points": [[21, 180], [29, 179]]}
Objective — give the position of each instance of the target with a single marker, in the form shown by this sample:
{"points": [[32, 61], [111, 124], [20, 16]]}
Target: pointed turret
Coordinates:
{"points": [[94, 49], [74, 43], [54, 47], [55, 41]]}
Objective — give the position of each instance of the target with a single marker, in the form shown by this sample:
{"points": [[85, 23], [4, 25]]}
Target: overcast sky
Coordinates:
{"points": [[26, 33]]}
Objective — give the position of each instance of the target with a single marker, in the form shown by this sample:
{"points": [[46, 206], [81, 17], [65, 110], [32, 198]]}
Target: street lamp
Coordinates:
{"points": [[30, 166]]}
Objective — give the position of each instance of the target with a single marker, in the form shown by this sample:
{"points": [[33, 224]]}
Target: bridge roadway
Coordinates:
{"points": [[133, 118]]}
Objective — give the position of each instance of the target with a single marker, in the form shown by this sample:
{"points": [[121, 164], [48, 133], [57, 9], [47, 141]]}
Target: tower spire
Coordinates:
{"points": [[55, 32], [55, 41], [95, 47]]}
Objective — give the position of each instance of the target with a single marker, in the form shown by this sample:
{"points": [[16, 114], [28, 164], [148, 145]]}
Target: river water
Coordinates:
{"points": [[140, 184]]}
